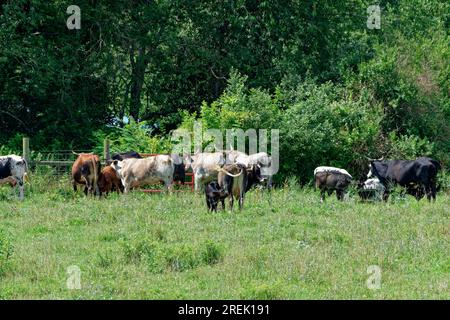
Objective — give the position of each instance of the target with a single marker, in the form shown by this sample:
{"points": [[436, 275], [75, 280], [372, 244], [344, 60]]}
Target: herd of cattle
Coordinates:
{"points": [[227, 174]]}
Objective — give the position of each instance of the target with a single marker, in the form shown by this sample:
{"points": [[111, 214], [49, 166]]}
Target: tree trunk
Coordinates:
{"points": [[138, 66]]}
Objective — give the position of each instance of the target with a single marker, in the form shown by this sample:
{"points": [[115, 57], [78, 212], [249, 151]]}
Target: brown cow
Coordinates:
{"points": [[9, 180], [109, 181], [86, 171]]}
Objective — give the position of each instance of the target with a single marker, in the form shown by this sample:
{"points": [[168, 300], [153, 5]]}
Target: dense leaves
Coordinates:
{"points": [[337, 90]]}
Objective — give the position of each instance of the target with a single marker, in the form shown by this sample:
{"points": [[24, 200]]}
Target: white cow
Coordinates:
{"points": [[205, 167], [15, 167], [260, 159], [152, 170]]}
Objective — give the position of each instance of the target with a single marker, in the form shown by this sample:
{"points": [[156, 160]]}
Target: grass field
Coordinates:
{"points": [[286, 246]]}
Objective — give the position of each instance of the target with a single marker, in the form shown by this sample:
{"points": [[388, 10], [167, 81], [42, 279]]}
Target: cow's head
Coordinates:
{"points": [[188, 161], [179, 172], [378, 169], [255, 170], [117, 165]]}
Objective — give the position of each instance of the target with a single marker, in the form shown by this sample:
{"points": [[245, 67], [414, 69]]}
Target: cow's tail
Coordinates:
{"points": [[26, 177], [96, 187]]}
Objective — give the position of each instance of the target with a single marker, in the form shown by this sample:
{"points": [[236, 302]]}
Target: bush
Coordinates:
{"points": [[135, 136], [211, 254]]}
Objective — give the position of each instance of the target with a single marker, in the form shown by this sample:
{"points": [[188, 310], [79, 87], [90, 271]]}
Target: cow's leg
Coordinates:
{"points": [[214, 205], [223, 203], [428, 192], [322, 195], [117, 187], [168, 185], [197, 183], [241, 199], [433, 190], [208, 204], [21, 188], [339, 195], [74, 184], [385, 195], [231, 201]]}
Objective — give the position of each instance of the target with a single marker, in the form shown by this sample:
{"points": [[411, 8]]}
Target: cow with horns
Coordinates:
{"points": [[417, 176]]}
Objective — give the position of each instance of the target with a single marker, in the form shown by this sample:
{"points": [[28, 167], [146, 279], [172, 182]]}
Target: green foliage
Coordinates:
{"points": [[135, 136], [409, 147], [337, 90], [141, 246]]}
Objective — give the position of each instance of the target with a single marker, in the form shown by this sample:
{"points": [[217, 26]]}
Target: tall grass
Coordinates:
{"points": [[283, 245]]}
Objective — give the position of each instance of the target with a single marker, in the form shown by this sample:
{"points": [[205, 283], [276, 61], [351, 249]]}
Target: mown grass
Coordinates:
{"points": [[282, 246]]}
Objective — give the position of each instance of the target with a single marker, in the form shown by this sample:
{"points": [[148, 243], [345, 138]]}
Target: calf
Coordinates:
{"points": [[329, 179], [86, 171], [214, 193], [109, 181], [14, 170], [151, 170], [10, 180]]}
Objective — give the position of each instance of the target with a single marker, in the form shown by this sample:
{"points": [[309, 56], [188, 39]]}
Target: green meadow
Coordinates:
{"points": [[283, 245]]}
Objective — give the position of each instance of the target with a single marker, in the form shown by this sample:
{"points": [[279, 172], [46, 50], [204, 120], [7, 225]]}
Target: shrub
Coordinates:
{"points": [[262, 291], [211, 254], [181, 258], [135, 136]]}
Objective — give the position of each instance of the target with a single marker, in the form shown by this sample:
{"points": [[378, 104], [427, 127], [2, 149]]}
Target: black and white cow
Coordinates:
{"points": [[417, 176], [15, 167], [329, 179]]}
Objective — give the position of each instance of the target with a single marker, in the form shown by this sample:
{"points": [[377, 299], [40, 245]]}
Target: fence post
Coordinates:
{"points": [[26, 148], [106, 153]]}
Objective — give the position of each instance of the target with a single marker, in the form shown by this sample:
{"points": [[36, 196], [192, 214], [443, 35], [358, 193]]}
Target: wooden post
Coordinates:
{"points": [[106, 153], [26, 148]]}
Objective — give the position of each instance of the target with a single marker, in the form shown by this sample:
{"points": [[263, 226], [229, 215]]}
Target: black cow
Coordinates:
{"points": [[254, 177], [417, 176], [126, 155], [179, 171], [214, 193]]}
